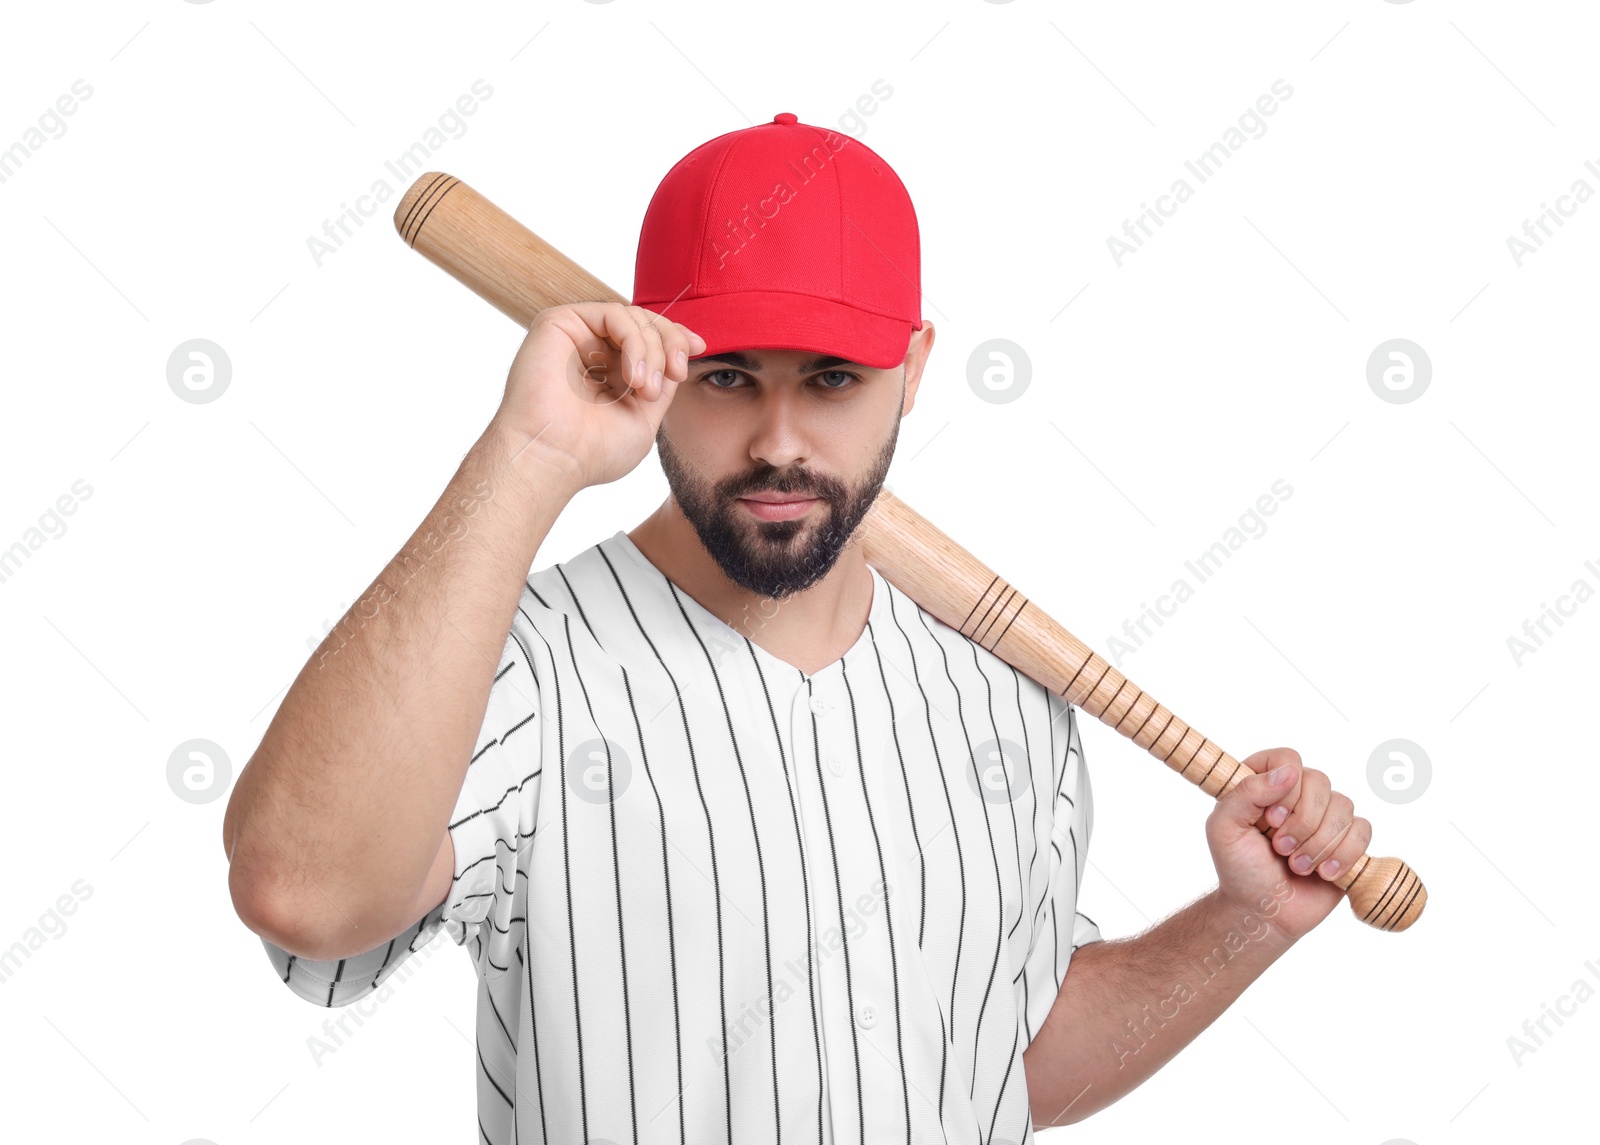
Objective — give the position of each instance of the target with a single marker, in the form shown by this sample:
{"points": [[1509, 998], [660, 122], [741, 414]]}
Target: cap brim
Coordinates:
{"points": [[775, 320]]}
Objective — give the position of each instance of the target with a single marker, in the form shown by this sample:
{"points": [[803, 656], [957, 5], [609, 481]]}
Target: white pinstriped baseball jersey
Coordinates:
{"points": [[713, 899]]}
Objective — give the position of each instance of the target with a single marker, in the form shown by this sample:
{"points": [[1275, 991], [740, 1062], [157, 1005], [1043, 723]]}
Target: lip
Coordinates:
{"points": [[777, 506], [775, 498]]}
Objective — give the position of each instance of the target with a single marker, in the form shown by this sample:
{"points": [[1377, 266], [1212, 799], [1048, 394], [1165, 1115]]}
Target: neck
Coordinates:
{"points": [[809, 629]]}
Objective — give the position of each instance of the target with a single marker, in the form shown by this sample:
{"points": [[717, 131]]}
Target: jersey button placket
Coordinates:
{"points": [[871, 973], [832, 755], [810, 744]]}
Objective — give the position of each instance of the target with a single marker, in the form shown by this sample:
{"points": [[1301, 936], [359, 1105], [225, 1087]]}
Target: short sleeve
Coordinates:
{"points": [[1062, 927], [494, 814]]}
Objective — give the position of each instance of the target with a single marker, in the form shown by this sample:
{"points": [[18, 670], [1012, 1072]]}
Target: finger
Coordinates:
{"points": [[1305, 813], [1336, 821], [1350, 848], [678, 343], [685, 344], [623, 330], [593, 331], [650, 326], [617, 335], [1236, 812], [1266, 760], [645, 375]]}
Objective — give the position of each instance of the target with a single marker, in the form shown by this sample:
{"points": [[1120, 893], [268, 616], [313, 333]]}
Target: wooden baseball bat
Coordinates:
{"points": [[521, 274]]}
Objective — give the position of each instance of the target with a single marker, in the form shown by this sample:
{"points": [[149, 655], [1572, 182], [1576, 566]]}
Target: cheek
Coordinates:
{"points": [[704, 445]]}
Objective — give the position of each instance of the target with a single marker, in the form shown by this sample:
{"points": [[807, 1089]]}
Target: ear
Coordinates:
{"points": [[916, 357]]}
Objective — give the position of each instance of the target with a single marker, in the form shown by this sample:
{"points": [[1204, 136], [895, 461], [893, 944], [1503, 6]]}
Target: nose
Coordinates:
{"points": [[778, 436]]}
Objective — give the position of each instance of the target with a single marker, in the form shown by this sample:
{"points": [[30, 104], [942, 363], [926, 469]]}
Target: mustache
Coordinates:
{"points": [[771, 480]]}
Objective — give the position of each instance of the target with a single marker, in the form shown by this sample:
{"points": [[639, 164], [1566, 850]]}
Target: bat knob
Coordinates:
{"points": [[1385, 893]]}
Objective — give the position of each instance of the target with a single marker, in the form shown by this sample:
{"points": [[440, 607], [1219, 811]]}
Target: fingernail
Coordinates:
{"points": [[1285, 843], [655, 379], [1277, 815], [1300, 864], [680, 359], [638, 372], [1330, 868], [1279, 774]]}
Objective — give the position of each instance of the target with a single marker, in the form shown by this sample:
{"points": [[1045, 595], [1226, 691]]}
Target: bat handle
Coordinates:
{"points": [[1384, 892]]}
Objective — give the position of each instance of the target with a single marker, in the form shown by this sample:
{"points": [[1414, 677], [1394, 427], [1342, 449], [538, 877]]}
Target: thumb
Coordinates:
{"points": [[1240, 810]]}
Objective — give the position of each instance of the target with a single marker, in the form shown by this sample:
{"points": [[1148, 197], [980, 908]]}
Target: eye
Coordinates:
{"points": [[711, 378], [831, 380]]}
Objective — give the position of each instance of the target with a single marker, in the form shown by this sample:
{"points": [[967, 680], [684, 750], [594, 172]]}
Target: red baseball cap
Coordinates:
{"points": [[785, 236]]}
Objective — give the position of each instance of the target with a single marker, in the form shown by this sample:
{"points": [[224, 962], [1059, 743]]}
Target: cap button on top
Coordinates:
{"points": [[785, 117]]}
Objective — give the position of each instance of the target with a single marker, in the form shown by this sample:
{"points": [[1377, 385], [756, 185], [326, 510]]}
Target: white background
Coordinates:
{"points": [[1231, 351]]}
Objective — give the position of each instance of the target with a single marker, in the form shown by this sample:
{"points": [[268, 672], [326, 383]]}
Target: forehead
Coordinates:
{"points": [[778, 361]]}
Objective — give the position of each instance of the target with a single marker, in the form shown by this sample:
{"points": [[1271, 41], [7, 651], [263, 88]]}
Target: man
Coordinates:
{"points": [[744, 845]]}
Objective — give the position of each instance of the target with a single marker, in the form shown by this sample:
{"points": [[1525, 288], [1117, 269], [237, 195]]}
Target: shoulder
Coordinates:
{"points": [[561, 589], [928, 636]]}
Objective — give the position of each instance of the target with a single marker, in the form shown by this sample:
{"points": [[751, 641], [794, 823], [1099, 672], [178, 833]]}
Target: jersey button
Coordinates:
{"points": [[835, 763], [819, 705], [866, 1015]]}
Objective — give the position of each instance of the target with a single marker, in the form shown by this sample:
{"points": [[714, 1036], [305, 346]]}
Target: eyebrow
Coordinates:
{"points": [[746, 362]]}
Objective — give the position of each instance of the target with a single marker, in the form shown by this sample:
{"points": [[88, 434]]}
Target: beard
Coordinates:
{"points": [[774, 559]]}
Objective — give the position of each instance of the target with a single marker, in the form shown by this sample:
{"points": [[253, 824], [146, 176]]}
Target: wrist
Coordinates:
{"points": [[516, 450], [1254, 918]]}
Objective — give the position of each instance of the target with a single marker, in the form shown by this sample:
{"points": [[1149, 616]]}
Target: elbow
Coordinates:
{"points": [[253, 908], [310, 935], [260, 892], [265, 916], [285, 931]]}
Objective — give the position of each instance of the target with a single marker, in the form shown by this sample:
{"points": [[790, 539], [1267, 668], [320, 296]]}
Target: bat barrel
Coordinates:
{"points": [[483, 247]]}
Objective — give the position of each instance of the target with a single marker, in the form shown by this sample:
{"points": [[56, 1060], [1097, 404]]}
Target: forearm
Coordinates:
{"points": [[339, 814], [1127, 1006]]}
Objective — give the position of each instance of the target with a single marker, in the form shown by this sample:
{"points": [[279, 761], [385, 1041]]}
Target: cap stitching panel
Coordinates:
{"points": [[772, 285], [838, 197], [705, 223], [896, 187]]}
